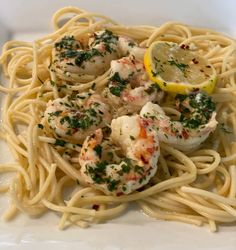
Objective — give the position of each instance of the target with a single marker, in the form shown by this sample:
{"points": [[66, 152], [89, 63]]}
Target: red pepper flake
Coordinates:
{"points": [[185, 134], [208, 66], [145, 123], [143, 159], [75, 130], [141, 189], [119, 194], [142, 133], [195, 61], [151, 150], [184, 46], [96, 207]]}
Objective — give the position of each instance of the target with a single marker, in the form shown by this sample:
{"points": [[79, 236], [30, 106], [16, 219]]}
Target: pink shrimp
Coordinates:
{"points": [[129, 84], [133, 165], [74, 119], [196, 123]]}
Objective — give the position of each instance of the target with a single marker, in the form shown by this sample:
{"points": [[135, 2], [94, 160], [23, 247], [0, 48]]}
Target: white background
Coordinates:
{"points": [[31, 15], [25, 19]]}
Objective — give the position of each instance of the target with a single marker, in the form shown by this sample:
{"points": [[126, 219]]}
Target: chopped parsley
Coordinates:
{"points": [[112, 184], [91, 112], [93, 86], [52, 83], [60, 143], [84, 120], [98, 150], [125, 168], [196, 109], [67, 43], [139, 169], [131, 44], [154, 74], [70, 53], [131, 137], [180, 66], [99, 175], [117, 84], [106, 37], [116, 90], [56, 113], [83, 56], [78, 122], [98, 172], [152, 88], [40, 126], [127, 165]]}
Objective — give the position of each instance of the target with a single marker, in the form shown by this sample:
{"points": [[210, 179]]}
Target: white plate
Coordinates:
{"points": [[133, 230]]}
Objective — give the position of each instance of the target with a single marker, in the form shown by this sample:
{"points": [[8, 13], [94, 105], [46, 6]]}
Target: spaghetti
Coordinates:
{"points": [[196, 187]]}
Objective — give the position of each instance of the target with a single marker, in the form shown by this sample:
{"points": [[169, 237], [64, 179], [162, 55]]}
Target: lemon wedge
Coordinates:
{"points": [[177, 69]]}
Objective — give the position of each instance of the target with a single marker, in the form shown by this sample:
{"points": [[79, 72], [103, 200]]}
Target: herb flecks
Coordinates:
{"points": [[60, 143], [67, 43], [83, 121], [107, 37], [180, 66], [98, 173], [40, 126], [196, 109], [98, 150], [83, 56], [152, 88], [117, 84]]}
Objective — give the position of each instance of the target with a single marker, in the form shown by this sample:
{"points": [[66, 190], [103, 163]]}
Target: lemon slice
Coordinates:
{"points": [[177, 69]]}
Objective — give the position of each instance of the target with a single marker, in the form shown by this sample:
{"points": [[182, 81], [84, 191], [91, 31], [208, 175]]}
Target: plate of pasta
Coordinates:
{"points": [[107, 123]]}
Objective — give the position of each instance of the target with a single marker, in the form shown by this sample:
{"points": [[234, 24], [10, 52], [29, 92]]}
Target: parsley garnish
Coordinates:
{"points": [[67, 43], [60, 143], [118, 84], [86, 55], [52, 83], [131, 137], [81, 121], [112, 184], [40, 126], [106, 37], [97, 173], [93, 86], [125, 168], [131, 44], [180, 66], [70, 53], [56, 113], [151, 89], [98, 150], [199, 110]]}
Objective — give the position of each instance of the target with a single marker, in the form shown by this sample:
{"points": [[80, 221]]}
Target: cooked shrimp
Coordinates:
{"points": [[70, 55], [129, 84], [128, 46], [75, 118], [134, 161], [196, 122]]}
